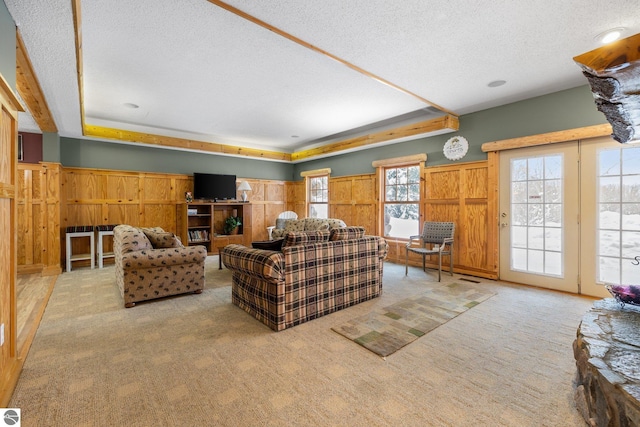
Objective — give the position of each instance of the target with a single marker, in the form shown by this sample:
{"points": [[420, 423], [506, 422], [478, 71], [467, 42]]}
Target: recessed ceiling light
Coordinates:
{"points": [[610, 35], [496, 83], [131, 105]]}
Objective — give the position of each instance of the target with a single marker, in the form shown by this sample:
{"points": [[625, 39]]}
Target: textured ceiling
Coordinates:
{"points": [[198, 71]]}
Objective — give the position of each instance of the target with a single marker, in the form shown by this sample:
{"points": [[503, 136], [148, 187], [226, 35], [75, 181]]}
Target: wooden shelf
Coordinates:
{"points": [[209, 221]]}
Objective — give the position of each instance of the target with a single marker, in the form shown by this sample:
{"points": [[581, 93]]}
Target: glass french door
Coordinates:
{"points": [[539, 214], [570, 215], [610, 202]]}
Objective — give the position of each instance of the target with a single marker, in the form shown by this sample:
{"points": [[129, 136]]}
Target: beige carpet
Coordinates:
{"points": [[197, 360], [386, 330]]}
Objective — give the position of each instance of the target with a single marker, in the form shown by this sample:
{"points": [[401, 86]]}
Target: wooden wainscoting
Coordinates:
{"points": [[353, 199], [296, 195], [461, 193], [39, 218], [464, 193], [268, 200], [100, 196], [50, 198], [10, 365]]}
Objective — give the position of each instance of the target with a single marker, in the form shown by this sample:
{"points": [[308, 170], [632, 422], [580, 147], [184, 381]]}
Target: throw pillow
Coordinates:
{"points": [[161, 239], [295, 238], [270, 245], [346, 233], [335, 223]]}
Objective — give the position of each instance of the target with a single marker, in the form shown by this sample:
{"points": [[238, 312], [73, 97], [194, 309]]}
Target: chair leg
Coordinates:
{"points": [[406, 261], [439, 267], [451, 260]]}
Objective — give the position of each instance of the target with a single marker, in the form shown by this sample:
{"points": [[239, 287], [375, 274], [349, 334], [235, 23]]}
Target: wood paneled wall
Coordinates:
{"points": [[296, 195], [50, 198], [462, 193], [353, 199], [96, 197], [39, 218], [10, 365], [466, 194], [100, 196], [268, 200]]}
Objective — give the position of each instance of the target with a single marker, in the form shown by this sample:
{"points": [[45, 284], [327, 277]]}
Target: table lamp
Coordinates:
{"points": [[244, 187]]}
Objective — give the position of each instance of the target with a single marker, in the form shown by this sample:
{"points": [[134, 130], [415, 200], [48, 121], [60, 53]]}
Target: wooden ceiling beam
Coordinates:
{"points": [[181, 143], [548, 138], [30, 90], [77, 29], [444, 123]]}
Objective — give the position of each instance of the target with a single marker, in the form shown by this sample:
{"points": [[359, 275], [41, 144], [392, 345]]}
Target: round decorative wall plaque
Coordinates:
{"points": [[455, 148]]}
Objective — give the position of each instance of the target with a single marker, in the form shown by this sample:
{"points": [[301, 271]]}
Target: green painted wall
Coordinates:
{"points": [[572, 108], [568, 109], [107, 155], [7, 46], [51, 147]]}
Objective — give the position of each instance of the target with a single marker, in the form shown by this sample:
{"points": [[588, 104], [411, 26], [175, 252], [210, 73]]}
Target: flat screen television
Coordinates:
{"points": [[208, 186]]}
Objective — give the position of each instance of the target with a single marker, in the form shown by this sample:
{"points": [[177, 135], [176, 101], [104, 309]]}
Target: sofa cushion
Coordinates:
{"points": [[296, 238], [314, 224], [294, 225], [161, 239], [346, 233]]}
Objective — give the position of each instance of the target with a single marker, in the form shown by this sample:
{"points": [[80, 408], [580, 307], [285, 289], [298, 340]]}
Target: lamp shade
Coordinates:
{"points": [[244, 186]]}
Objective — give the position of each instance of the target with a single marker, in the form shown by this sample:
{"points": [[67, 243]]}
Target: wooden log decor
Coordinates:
{"points": [[613, 72]]}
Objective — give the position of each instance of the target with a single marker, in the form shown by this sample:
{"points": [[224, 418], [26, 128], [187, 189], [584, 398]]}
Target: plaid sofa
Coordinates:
{"points": [[316, 273], [152, 263]]}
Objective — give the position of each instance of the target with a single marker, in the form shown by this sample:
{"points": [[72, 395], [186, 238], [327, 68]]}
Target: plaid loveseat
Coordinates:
{"points": [[152, 263], [316, 273]]}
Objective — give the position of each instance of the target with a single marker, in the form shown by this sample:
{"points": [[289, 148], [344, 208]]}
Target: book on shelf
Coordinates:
{"points": [[198, 235]]}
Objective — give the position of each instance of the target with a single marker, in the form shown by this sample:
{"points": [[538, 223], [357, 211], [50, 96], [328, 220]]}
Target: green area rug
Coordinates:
{"points": [[388, 329]]}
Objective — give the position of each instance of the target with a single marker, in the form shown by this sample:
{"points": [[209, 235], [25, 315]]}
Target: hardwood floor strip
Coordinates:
{"points": [[33, 293]]}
